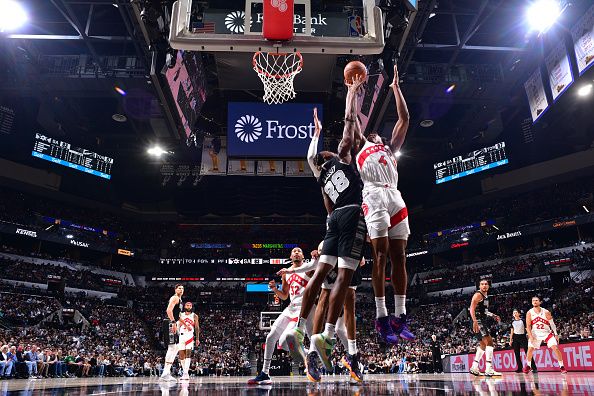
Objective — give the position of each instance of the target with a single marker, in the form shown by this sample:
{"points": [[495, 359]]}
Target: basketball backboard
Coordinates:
{"points": [[353, 30]]}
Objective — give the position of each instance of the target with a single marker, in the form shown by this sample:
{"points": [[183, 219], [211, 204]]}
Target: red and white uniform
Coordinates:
{"points": [[186, 333], [287, 321], [541, 329], [383, 206]]}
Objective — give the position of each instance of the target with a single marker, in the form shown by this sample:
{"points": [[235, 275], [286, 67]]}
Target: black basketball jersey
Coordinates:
{"points": [[177, 309], [482, 307], [341, 182]]}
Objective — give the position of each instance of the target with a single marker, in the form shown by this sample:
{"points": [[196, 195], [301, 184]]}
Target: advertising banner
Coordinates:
{"points": [[583, 41], [214, 156], [259, 130], [559, 68], [241, 167], [297, 169], [537, 98], [577, 356], [270, 168]]}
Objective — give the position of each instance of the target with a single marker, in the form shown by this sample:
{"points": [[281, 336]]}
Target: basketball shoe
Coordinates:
{"points": [[400, 327], [490, 372], [383, 327], [324, 346], [351, 362], [311, 366], [261, 379], [295, 341]]}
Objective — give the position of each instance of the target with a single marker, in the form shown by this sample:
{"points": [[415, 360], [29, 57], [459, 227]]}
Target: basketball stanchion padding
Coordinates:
{"points": [[278, 20], [277, 71]]}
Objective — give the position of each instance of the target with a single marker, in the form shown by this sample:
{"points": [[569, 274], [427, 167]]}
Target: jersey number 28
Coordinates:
{"points": [[337, 184]]}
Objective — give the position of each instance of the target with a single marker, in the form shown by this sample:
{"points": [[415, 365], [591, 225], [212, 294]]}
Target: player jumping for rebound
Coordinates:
{"points": [[174, 308], [483, 322], [541, 327], [189, 331], [386, 217], [345, 234], [293, 286]]}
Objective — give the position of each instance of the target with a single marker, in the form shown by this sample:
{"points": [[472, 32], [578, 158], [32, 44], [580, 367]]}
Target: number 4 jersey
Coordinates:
{"points": [[341, 183], [383, 206]]}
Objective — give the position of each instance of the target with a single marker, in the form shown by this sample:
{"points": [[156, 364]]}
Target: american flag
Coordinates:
{"points": [[203, 27]]}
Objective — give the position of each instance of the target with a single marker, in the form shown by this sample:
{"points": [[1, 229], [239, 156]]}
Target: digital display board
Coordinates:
{"points": [[65, 154], [473, 162]]}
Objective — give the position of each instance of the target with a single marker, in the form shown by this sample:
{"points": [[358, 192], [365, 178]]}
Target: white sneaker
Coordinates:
{"points": [[167, 377], [475, 371], [185, 377], [490, 372]]}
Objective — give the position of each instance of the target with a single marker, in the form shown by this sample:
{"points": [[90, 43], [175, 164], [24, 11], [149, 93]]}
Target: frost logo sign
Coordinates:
{"points": [[258, 130]]}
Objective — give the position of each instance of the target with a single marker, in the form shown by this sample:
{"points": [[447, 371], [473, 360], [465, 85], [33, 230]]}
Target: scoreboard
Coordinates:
{"points": [[473, 162], [65, 154]]}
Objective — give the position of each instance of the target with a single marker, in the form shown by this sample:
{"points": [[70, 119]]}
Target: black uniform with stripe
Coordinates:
{"points": [[177, 309], [486, 323], [346, 230]]}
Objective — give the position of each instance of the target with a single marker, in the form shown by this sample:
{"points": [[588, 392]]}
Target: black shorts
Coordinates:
{"points": [[345, 237], [331, 278], [487, 327], [165, 334]]}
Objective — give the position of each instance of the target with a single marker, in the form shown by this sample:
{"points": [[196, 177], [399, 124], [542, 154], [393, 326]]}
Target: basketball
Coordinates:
{"points": [[353, 68]]}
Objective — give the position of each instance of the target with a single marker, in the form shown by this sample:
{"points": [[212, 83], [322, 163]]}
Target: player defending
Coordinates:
{"points": [[293, 286], [189, 331], [482, 322], [386, 216], [541, 327], [346, 328], [345, 234], [174, 308]]}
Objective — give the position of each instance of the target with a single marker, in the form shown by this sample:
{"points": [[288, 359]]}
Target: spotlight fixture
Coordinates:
{"points": [[542, 14], [12, 15], [585, 90]]}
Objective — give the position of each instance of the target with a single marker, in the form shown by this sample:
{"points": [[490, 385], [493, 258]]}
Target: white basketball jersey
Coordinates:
{"points": [[541, 327], [297, 284], [188, 319], [377, 165]]}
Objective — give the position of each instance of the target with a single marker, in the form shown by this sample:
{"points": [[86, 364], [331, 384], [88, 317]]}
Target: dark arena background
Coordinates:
{"points": [[146, 144]]}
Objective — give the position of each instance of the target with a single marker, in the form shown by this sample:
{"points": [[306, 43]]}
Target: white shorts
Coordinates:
{"points": [[385, 212], [549, 339], [186, 340]]}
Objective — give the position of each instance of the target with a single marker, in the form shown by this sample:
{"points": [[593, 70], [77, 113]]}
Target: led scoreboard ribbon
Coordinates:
{"points": [[65, 154], [473, 162]]}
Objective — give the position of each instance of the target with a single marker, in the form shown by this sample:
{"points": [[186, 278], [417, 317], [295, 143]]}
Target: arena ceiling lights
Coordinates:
{"points": [[12, 15], [542, 14]]}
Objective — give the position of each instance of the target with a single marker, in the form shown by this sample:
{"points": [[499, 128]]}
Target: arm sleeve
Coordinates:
{"points": [[553, 326], [311, 154], [312, 265]]}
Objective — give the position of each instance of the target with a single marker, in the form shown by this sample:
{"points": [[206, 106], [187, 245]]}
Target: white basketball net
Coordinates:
{"points": [[277, 71]]}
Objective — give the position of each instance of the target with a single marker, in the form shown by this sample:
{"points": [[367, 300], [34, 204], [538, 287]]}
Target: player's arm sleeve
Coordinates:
{"points": [[311, 155], [311, 266]]}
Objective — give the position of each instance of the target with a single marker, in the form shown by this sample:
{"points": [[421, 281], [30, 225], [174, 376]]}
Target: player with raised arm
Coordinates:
{"points": [[189, 331], [293, 286], [541, 327], [345, 234], [483, 322], [386, 217], [174, 308]]}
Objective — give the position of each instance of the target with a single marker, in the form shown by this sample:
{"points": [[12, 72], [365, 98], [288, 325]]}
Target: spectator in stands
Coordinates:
{"points": [[6, 362]]}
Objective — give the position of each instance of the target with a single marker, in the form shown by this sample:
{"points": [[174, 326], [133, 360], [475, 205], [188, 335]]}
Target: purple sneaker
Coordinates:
{"points": [[400, 327], [382, 325]]}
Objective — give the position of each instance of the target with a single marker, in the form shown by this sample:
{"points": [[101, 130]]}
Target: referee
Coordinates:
{"points": [[519, 339]]}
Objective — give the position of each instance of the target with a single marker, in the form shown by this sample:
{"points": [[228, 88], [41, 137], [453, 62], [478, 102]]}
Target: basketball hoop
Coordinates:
{"points": [[277, 71]]}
